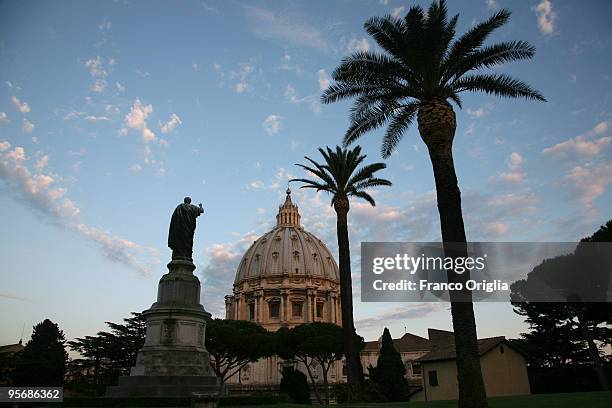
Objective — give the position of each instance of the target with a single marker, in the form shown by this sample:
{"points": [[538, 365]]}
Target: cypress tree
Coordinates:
{"points": [[388, 375]]}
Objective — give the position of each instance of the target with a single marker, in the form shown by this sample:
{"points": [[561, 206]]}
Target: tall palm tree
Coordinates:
{"points": [[422, 68], [341, 177]]}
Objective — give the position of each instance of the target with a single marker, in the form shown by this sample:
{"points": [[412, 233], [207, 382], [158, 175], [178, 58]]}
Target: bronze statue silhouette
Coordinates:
{"points": [[182, 228]]}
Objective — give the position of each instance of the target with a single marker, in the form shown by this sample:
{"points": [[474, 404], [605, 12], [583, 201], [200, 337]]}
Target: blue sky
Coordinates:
{"points": [[112, 112]]}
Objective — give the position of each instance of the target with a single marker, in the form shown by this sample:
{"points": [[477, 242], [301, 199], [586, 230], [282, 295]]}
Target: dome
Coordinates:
{"points": [[287, 250]]}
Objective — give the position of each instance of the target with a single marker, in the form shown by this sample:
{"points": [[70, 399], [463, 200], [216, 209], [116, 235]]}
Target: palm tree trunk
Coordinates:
{"points": [[349, 336], [437, 128]]}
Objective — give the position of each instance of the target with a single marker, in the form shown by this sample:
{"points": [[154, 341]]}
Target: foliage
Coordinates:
{"points": [[254, 400], [388, 375], [295, 384], [43, 360], [422, 63], [313, 344], [342, 177], [232, 344], [108, 355], [573, 332]]}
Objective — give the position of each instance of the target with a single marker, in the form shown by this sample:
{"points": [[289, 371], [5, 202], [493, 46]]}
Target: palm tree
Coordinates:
{"points": [[341, 177], [422, 68]]}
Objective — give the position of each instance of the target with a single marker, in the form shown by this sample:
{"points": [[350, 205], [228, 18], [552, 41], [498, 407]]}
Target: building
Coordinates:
{"points": [[286, 278], [7, 354], [504, 369]]}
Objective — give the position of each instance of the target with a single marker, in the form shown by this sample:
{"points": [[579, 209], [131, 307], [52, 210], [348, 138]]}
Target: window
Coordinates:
{"points": [[416, 369], [296, 309], [344, 370], [433, 378], [320, 310], [274, 310], [501, 349], [251, 311]]}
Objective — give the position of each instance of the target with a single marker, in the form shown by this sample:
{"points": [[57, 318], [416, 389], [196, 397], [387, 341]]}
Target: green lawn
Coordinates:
{"points": [[573, 400]]}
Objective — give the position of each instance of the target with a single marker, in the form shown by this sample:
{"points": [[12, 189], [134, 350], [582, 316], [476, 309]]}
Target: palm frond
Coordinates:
{"points": [[365, 196], [497, 84], [399, 124]]}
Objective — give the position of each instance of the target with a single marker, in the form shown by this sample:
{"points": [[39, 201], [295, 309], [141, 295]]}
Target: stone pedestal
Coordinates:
{"points": [[173, 361]]}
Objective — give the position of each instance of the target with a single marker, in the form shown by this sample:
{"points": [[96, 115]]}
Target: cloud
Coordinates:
{"points": [[272, 124], [408, 311], [27, 126], [397, 12], [311, 100], [4, 145], [171, 124], [284, 27], [23, 107], [324, 79], [256, 185], [120, 88], [137, 119], [478, 113], [42, 162], [515, 173], [357, 45], [92, 118], [220, 269], [242, 76], [40, 191], [588, 144], [135, 168], [4, 120], [99, 72], [589, 181], [14, 297], [492, 4], [288, 66], [546, 17]]}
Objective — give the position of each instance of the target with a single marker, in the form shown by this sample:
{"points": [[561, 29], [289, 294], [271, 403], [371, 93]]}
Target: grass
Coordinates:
{"points": [[570, 400]]}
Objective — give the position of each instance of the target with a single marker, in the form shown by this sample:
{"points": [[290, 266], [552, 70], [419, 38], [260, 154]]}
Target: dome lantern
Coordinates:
{"points": [[288, 213]]}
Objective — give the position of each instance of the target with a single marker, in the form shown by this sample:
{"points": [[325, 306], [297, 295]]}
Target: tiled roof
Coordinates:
{"points": [[407, 343], [11, 348], [447, 351]]}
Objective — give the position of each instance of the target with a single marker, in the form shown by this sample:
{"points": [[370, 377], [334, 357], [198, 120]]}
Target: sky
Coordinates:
{"points": [[112, 111]]}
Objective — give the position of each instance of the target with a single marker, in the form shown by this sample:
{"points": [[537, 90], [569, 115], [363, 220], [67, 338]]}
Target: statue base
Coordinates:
{"points": [[174, 361]]}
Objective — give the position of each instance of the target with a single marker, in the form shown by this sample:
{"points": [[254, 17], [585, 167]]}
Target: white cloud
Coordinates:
{"points": [[4, 118], [515, 173], [171, 124], [272, 124], [137, 119], [492, 4], [135, 168], [48, 201], [27, 126], [99, 72], [285, 27], [590, 143], [256, 185], [357, 45], [477, 113], [4, 145], [546, 17], [242, 75], [93, 118], [311, 100], [120, 87], [590, 181], [324, 79], [42, 162], [397, 12], [23, 107]]}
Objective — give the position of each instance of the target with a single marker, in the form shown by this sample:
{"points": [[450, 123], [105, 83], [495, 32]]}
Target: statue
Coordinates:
{"points": [[182, 228]]}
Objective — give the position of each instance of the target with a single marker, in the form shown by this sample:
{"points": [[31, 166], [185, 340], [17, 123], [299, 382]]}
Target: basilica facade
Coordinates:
{"points": [[286, 278]]}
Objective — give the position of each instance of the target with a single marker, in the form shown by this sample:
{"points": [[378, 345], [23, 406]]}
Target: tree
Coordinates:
{"points": [[388, 375], [110, 354], [341, 177], [573, 332], [42, 363], [421, 69], [233, 344], [295, 384], [312, 344]]}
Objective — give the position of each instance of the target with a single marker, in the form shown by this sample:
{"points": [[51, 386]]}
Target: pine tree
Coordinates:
{"points": [[388, 375], [43, 361]]}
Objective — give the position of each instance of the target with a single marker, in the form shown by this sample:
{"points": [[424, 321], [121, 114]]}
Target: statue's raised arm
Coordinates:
{"points": [[182, 228]]}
